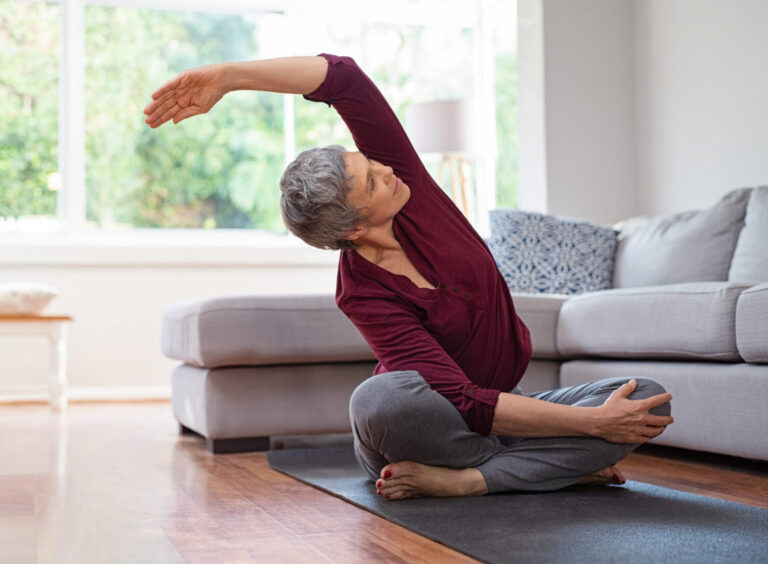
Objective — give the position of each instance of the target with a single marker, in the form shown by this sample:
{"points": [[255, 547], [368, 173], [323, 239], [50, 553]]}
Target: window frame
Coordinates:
{"points": [[71, 204]]}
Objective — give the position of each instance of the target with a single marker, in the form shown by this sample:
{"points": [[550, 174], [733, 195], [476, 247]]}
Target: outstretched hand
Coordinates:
{"points": [[193, 92], [623, 420]]}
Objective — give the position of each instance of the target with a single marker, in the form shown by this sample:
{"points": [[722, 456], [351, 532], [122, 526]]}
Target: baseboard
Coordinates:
{"points": [[89, 394]]}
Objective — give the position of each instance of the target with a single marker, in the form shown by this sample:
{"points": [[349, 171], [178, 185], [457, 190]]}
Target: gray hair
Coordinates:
{"points": [[314, 198]]}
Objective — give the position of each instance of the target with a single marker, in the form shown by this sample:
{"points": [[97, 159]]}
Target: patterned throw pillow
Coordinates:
{"points": [[543, 254]]}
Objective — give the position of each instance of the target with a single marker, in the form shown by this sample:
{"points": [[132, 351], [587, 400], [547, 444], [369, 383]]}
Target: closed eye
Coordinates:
{"points": [[371, 181]]}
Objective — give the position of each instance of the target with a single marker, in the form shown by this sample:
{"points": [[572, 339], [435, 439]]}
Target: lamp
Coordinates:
{"points": [[446, 127]]}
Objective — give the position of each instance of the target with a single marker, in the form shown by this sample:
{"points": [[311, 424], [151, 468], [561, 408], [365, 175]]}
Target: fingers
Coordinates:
{"points": [[652, 431], [659, 420], [168, 86], [638, 434], [154, 105], [174, 111], [185, 113], [627, 388], [161, 118], [162, 113], [164, 99], [655, 401]]}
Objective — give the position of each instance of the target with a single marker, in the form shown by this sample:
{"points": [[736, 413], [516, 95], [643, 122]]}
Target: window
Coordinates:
{"points": [[29, 76], [505, 97], [220, 171]]}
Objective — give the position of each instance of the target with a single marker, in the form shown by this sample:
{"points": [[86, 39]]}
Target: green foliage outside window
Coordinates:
{"points": [[506, 131], [29, 70], [217, 171]]}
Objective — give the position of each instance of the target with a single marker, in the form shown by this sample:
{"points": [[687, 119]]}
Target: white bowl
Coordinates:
{"points": [[25, 298]]}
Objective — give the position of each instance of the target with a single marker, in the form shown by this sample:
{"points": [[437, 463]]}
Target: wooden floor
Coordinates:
{"points": [[117, 483]]}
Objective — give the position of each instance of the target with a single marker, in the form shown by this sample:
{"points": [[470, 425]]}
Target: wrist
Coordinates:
{"points": [[231, 77], [590, 421]]}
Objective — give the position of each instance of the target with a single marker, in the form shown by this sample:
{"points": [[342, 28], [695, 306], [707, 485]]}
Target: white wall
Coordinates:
{"points": [[632, 107], [702, 100], [590, 108], [577, 153], [118, 302], [531, 124]]}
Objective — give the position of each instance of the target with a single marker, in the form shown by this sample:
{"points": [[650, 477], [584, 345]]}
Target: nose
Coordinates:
{"points": [[385, 171]]}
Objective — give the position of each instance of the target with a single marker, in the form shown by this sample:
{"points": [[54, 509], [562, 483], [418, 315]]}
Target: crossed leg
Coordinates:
{"points": [[413, 442]]}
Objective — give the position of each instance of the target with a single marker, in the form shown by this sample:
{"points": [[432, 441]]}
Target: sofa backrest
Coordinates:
{"points": [[750, 259], [693, 246]]}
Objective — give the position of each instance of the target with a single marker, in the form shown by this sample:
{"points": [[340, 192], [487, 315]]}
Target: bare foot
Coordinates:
{"points": [[609, 475], [401, 480]]}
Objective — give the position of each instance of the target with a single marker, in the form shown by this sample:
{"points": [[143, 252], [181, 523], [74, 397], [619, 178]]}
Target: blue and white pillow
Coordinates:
{"points": [[543, 254]]}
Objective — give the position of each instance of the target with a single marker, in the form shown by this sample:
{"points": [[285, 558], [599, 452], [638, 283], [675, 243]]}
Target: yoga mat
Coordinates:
{"points": [[633, 523]]}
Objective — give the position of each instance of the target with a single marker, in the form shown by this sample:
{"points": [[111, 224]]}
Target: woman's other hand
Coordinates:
{"points": [[193, 92], [622, 420]]}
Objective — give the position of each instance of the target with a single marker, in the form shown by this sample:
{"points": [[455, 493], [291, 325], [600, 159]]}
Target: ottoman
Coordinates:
{"points": [[261, 371], [255, 367]]}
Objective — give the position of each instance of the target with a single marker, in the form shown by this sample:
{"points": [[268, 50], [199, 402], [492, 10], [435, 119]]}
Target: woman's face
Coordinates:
{"points": [[376, 191]]}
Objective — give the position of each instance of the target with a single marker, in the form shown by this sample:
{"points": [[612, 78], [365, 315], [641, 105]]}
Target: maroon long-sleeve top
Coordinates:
{"points": [[463, 337]]}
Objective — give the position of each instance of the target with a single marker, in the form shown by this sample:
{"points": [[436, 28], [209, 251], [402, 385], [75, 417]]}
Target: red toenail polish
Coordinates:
{"points": [[387, 474], [378, 492], [616, 478], [386, 496]]}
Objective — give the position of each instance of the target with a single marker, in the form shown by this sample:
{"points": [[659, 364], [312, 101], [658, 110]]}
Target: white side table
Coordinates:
{"points": [[54, 327]]}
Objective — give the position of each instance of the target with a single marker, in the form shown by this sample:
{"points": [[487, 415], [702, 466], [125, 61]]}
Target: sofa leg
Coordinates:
{"points": [[187, 431], [250, 444]]}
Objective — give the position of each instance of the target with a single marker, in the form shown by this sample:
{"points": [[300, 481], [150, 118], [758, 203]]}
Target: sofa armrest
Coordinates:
{"points": [[752, 324], [260, 330], [540, 314]]}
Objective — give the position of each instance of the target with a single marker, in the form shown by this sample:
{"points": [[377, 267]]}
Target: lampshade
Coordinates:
{"points": [[443, 126]]}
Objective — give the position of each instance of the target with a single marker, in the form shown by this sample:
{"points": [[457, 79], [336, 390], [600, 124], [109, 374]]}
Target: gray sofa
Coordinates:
{"points": [[688, 308]]}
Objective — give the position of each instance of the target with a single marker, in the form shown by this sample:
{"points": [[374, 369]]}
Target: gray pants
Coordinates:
{"points": [[397, 416]]}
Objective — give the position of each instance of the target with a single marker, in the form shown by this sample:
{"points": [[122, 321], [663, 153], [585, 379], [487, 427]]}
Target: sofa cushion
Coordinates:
{"points": [[750, 259], [694, 246], [539, 312], [539, 253], [258, 330], [695, 320], [752, 324]]}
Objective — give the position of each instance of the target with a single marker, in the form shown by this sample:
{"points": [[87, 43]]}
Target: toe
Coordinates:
{"points": [[393, 494], [389, 487], [387, 471]]}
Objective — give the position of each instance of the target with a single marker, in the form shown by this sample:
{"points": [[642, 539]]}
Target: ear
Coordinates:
{"points": [[356, 233]]}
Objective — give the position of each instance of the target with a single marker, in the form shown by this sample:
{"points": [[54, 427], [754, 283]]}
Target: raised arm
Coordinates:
{"points": [[195, 91], [337, 81], [377, 132]]}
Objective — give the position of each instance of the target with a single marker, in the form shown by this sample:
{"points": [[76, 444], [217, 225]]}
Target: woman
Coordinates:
{"points": [[442, 415]]}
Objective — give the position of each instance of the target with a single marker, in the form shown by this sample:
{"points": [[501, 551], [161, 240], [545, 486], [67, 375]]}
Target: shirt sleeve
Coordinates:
{"points": [[375, 128], [400, 341]]}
